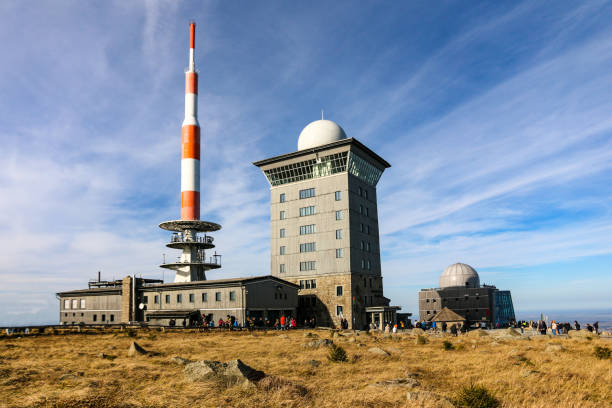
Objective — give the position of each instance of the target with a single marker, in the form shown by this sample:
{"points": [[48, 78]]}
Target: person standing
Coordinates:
{"points": [[553, 326], [596, 327], [576, 325]]}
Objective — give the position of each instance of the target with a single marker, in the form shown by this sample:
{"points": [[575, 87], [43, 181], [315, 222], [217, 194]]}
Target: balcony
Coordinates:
{"points": [[212, 262], [178, 241]]}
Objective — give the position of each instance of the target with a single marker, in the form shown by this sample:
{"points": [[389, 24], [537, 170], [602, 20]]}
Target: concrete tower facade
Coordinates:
{"points": [[192, 264], [324, 226]]}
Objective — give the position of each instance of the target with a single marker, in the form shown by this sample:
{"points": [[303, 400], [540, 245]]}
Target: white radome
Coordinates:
{"points": [[459, 274], [319, 133]]}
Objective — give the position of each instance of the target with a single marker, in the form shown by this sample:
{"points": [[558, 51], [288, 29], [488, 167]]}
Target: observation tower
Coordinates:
{"points": [[192, 264]]}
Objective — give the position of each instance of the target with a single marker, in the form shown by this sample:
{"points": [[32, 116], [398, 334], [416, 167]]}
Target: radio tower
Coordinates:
{"points": [[192, 264]]}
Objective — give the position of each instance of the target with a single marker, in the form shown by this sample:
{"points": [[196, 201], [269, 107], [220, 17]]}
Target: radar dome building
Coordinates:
{"points": [[460, 291], [324, 227]]}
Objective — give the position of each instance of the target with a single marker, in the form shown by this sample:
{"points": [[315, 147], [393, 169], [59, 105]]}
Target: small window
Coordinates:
{"points": [[103, 317], [361, 209], [156, 299], [282, 250], [167, 299], [82, 303], [308, 247], [360, 227], [75, 304], [361, 245], [191, 298], [363, 264], [307, 193], [282, 268], [145, 299], [282, 215], [339, 311], [368, 230], [232, 296], [338, 215], [426, 300], [282, 197], [67, 304], [365, 194], [339, 253], [369, 264], [338, 290], [204, 297], [307, 266], [112, 318], [282, 233], [302, 284], [179, 298], [95, 318], [308, 229], [313, 283], [306, 211], [218, 296], [433, 300], [338, 234], [367, 213], [360, 191], [338, 195], [368, 248]]}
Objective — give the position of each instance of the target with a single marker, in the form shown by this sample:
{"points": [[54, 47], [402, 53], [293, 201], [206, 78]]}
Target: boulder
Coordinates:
{"points": [[378, 351], [318, 343], [283, 336], [512, 332], [427, 397], [527, 372], [352, 340], [314, 363], [233, 371], [478, 333], [180, 360], [311, 335], [417, 330], [397, 382], [581, 334], [136, 350], [553, 348]]}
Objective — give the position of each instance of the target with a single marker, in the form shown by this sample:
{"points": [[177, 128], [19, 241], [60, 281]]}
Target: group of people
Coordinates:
{"points": [[558, 328]]}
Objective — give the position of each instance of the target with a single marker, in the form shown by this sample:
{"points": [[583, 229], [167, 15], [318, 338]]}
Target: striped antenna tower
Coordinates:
{"points": [[192, 264]]}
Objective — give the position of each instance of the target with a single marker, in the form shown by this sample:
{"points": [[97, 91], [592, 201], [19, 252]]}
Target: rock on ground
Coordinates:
{"points": [[180, 360], [234, 371], [427, 398], [314, 363], [553, 348], [378, 351], [417, 331], [136, 350], [318, 343], [478, 333], [397, 382], [580, 334]]}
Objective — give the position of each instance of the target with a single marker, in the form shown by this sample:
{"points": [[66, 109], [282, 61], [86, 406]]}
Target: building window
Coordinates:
{"points": [[313, 283], [307, 193], [308, 247], [95, 318], [282, 197], [339, 311], [367, 212], [191, 298], [179, 298], [339, 253], [306, 211], [307, 266], [338, 290], [67, 304], [112, 318], [368, 248], [156, 299], [360, 227], [338, 234], [361, 245], [282, 268], [363, 264], [204, 297], [282, 215], [369, 264], [75, 304], [338, 215], [167, 299], [360, 191], [145, 299], [368, 230], [308, 229], [103, 318], [308, 284], [365, 194], [218, 296], [232, 296], [282, 233], [282, 250], [361, 209], [82, 303], [338, 195]]}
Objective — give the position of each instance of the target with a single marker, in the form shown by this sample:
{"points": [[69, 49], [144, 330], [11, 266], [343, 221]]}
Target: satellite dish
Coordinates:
{"points": [[142, 306]]}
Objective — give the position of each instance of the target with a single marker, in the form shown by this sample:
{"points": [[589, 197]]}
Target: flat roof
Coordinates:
{"points": [[342, 142], [219, 282], [116, 290]]}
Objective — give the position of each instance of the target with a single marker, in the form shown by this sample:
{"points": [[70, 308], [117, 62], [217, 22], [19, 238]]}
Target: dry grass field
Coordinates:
{"points": [[68, 371]]}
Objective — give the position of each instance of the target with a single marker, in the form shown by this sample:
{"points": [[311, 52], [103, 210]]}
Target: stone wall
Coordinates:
{"points": [[126, 300]]}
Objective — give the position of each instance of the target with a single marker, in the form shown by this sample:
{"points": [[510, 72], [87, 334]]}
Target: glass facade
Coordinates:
{"points": [[324, 166], [503, 308]]}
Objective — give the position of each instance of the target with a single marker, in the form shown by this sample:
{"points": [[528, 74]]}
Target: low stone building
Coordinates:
{"points": [[460, 291], [135, 300]]}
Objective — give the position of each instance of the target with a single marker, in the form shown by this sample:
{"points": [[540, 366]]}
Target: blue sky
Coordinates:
{"points": [[496, 118]]}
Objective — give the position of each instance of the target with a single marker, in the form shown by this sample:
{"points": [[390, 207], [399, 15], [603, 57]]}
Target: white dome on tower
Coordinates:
{"points": [[459, 275], [319, 133]]}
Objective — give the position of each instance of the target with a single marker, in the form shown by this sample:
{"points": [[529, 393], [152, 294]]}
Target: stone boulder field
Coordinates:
{"points": [[185, 368]]}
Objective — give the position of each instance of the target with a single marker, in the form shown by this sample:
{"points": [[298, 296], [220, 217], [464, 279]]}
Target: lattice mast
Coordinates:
{"points": [[192, 264]]}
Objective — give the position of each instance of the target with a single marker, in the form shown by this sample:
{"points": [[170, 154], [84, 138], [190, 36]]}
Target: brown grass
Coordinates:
{"points": [[66, 371]]}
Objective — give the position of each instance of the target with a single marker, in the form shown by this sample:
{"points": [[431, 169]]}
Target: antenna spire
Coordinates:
{"points": [[322, 114]]}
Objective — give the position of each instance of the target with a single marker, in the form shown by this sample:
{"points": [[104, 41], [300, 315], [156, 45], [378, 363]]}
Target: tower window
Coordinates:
{"points": [[218, 296], [282, 268], [339, 310], [338, 215], [338, 195], [360, 227], [204, 297], [167, 299], [306, 211], [282, 197], [232, 296], [156, 299], [145, 299], [308, 229], [191, 298], [338, 290], [283, 215], [83, 303], [339, 253], [365, 194], [307, 266], [367, 212], [282, 250], [360, 191], [308, 247], [179, 298], [307, 193], [361, 209], [95, 318], [282, 233]]}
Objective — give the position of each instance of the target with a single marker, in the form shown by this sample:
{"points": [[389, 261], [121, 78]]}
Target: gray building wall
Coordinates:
{"points": [[99, 308], [475, 304]]}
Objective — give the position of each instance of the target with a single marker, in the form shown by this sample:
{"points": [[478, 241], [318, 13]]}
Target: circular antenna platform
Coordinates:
{"points": [[182, 225]]}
